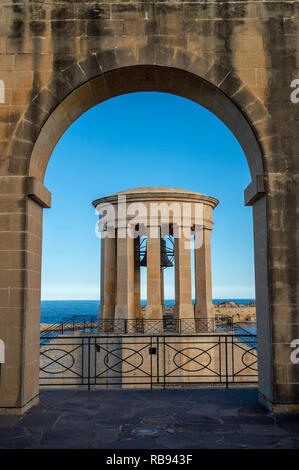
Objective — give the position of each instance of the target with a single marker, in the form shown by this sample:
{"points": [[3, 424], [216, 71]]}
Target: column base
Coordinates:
{"points": [[108, 312], [120, 319], [204, 321], [17, 411], [279, 408], [121, 312], [203, 313], [108, 318], [153, 319], [100, 312], [125, 320], [185, 313]]}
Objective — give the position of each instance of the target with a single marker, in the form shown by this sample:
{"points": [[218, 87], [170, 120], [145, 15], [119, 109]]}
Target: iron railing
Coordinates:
{"points": [[70, 325], [147, 361], [152, 326], [143, 326]]}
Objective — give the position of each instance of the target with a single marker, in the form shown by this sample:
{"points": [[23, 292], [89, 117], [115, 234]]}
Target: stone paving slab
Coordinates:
{"points": [[142, 419]]}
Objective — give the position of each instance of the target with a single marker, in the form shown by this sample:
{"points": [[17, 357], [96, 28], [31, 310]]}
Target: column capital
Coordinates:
{"points": [[28, 186]]}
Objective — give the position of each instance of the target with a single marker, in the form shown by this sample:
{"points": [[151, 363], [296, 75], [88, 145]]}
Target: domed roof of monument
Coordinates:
{"points": [[147, 193], [156, 189]]}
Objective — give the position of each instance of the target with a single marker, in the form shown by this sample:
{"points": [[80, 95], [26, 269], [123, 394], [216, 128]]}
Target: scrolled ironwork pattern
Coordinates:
{"points": [[121, 360], [148, 360], [190, 358], [57, 360]]}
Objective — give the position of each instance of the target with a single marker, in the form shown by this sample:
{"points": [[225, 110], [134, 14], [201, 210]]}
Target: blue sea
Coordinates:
{"points": [[56, 310]]}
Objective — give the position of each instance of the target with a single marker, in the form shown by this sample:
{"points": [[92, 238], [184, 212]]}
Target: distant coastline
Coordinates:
{"points": [[55, 310]]}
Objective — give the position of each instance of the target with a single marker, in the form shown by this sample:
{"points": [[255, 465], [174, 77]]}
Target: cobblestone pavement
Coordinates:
{"points": [[139, 419]]}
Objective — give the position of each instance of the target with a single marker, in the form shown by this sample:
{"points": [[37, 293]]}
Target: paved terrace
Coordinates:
{"points": [[132, 419]]}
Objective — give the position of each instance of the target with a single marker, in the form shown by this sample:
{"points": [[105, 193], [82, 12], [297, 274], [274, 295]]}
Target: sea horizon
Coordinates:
{"points": [[56, 310]]}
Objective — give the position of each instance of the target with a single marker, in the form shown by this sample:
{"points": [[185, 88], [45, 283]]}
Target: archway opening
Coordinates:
{"points": [[189, 141], [186, 85], [99, 143]]}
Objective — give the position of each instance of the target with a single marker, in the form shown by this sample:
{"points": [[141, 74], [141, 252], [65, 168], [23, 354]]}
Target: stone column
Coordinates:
{"points": [[184, 307], [108, 281], [176, 280], [162, 290], [154, 303], [137, 302], [21, 215], [203, 283], [125, 278], [102, 274]]}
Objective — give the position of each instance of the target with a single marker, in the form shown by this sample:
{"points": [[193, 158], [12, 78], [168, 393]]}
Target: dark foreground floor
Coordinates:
{"points": [[171, 419]]}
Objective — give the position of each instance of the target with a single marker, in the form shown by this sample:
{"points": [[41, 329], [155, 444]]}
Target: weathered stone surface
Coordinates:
{"points": [[62, 421]]}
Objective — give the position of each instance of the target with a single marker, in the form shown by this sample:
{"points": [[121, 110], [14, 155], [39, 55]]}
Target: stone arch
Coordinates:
{"points": [[118, 71], [221, 91], [97, 78]]}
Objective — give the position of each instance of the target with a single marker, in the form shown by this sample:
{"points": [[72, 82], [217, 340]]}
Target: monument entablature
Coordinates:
{"points": [[157, 206]]}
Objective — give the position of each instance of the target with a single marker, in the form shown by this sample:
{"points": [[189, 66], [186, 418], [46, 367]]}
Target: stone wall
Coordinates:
{"points": [[237, 313]]}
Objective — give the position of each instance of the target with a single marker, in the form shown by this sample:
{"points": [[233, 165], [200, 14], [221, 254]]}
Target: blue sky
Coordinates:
{"points": [[144, 139]]}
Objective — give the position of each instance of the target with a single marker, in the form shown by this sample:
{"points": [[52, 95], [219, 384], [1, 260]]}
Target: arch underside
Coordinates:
{"points": [[73, 92], [67, 97], [157, 78]]}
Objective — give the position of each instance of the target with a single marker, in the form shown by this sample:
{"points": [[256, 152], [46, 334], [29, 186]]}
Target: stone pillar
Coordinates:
{"points": [[125, 278], [203, 282], [162, 291], [176, 280], [21, 215], [108, 281], [154, 303], [184, 307], [102, 272], [137, 300]]}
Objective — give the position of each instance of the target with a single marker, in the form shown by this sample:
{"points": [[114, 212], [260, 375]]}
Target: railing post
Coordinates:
{"points": [[226, 362], [88, 363], [233, 359], [151, 363], [157, 360], [164, 364], [82, 361]]}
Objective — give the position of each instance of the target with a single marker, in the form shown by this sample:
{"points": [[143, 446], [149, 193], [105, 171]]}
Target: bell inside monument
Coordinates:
{"points": [[167, 254]]}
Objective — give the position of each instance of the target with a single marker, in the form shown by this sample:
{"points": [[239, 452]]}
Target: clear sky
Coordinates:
{"points": [[144, 139]]}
